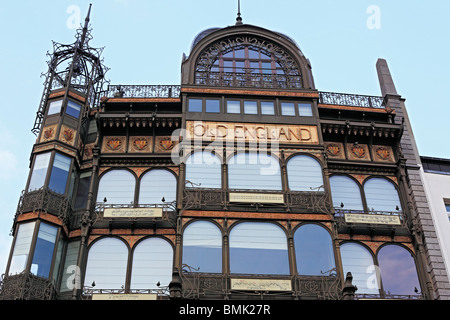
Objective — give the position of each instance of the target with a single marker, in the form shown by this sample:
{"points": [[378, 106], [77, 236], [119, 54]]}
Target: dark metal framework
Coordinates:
{"points": [[285, 73], [78, 66]]}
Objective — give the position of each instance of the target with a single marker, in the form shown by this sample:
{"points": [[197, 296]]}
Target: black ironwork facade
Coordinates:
{"points": [[111, 164]]}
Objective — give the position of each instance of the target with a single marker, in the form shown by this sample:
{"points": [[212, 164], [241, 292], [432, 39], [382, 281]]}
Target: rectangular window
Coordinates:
{"points": [[233, 106], [73, 109], [70, 278], [250, 107], [82, 191], [305, 110], [267, 108], [39, 171], [447, 208], [54, 107], [60, 173], [213, 106], [287, 109], [43, 253], [22, 248], [195, 105]]}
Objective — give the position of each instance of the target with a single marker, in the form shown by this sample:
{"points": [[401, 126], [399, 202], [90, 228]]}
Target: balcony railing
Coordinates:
{"points": [[354, 100], [290, 201], [241, 80], [44, 200], [26, 286]]}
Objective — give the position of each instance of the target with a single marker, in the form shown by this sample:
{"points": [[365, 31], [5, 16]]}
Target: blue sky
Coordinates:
{"points": [[144, 42]]}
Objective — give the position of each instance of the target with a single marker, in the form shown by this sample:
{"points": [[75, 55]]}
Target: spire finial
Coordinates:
{"points": [[239, 19], [86, 25]]}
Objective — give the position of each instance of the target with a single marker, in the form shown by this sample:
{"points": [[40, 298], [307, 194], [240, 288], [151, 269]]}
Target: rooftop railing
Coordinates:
{"points": [[173, 91]]}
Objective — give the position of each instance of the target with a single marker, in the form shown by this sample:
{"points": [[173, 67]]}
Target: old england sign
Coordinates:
{"points": [[253, 132]]}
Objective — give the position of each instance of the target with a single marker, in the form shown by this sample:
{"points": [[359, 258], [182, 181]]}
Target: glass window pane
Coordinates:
{"points": [[287, 109], [117, 186], [54, 107], [267, 108], [253, 53], [22, 248], [398, 270], [258, 248], [239, 53], [157, 184], [313, 250], [252, 171], [107, 264], [212, 105], [40, 167], [358, 260], [381, 195], [304, 174], [70, 278], [203, 170], [73, 109], [83, 189], [266, 67], [345, 190], [240, 66], [305, 110], [233, 106], [152, 263], [195, 105], [202, 247], [250, 107], [60, 173], [43, 252]]}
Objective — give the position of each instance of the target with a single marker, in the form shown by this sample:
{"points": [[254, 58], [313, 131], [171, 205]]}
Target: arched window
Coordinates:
{"points": [[313, 250], [254, 171], [202, 247], [346, 191], [152, 263], [107, 264], [203, 170], [381, 195], [398, 270], [258, 248], [247, 61], [157, 184], [117, 186], [304, 174], [358, 260]]}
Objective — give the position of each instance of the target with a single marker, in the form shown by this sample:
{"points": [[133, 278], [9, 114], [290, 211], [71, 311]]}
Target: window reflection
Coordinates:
{"points": [[156, 185], [203, 170], [398, 270], [344, 190], [254, 171], [117, 186], [358, 260], [152, 263], [107, 264], [202, 247], [258, 248], [313, 250], [381, 195], [304, 174], [43, 252]]}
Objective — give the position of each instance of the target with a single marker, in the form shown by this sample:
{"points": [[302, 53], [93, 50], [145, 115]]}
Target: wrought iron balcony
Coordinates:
{"points": [[142, 91], [354, 100], [248, 79], [287, 201], [26, 286], [44, 200]]}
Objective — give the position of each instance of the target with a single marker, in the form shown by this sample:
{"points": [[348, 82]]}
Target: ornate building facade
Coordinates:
{"points": [[242, 182]]}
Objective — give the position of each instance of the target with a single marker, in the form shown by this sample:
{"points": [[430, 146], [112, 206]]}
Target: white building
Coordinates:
{"points": [[437, 187]]}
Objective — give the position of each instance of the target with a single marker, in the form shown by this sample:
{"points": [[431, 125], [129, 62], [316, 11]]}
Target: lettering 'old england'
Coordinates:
{"points": [[289, 134], [109, 213]]}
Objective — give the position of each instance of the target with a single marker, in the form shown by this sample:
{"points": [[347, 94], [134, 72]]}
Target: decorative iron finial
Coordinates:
{"points": [[85, 28], [239, 19]]}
